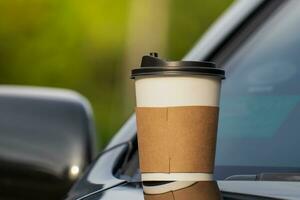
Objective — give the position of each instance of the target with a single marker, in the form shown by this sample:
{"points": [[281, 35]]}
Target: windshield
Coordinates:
{"points": [[260, 102]]}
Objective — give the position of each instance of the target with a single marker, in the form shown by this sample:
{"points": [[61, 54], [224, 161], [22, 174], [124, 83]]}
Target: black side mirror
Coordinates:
{"points": [[47, 138]]}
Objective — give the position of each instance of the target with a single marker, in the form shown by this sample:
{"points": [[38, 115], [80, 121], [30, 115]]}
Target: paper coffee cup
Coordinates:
{"points": [[177, 106]]}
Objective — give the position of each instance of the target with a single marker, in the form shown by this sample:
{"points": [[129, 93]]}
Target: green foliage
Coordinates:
{"points": [[189, 21], [80, 45]]}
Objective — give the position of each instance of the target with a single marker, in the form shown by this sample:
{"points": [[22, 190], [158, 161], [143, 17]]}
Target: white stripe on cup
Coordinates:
{"points": [[177, 177], [177, 91], [173, 186]]}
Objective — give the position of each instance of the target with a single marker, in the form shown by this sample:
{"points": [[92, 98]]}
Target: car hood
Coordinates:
{"points": [[277, 190], [273, 189]]}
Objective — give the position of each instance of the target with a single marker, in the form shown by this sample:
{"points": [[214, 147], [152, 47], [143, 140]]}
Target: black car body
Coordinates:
{"points": [[258, 44]]}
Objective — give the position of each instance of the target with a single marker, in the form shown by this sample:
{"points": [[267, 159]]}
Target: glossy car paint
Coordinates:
{"points": [[99, 177]]}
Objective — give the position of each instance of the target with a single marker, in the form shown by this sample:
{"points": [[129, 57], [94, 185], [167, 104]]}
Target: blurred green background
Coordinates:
{"points": [[90, 46]]}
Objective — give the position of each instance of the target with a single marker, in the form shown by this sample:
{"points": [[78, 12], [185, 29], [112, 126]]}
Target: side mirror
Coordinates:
{"points": [[47, 138]]}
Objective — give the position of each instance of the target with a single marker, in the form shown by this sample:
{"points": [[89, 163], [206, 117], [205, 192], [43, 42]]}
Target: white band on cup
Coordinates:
{"points": [[177, 91], [177, 177], [173, 186]]}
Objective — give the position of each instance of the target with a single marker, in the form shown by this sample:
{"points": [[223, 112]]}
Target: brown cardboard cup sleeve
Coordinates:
{"points": [[203, 190], [177, 139]]}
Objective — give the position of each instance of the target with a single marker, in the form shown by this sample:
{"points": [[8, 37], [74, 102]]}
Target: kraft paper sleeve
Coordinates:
{"points": [[177, 139]]}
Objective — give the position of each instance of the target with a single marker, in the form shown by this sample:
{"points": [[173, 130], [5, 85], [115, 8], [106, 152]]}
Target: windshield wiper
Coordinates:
{"points": [[266, 177]]}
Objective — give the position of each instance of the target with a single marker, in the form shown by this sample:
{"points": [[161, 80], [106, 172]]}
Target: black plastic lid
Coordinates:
{"points": [[153, 66]]}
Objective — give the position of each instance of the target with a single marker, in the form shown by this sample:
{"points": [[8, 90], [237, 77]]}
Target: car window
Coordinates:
{"points": [[260, 101]]}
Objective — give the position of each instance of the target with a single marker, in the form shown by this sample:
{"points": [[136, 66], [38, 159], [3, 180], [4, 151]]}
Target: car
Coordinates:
{"points": [[258, 43]]}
